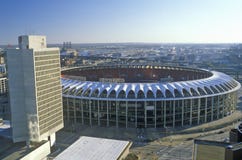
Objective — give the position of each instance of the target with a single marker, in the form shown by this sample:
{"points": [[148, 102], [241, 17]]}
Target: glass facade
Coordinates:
{"points": [[148, 114]]}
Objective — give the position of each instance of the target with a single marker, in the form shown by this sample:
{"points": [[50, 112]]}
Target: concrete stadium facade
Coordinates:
{"points": [[146, 96]]}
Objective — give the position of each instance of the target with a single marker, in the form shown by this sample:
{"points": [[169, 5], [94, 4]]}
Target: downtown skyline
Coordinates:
{"points": [[107, 21]]}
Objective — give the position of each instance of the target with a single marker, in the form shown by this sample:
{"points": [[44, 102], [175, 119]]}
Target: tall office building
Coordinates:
{"points": [[34, 90]]}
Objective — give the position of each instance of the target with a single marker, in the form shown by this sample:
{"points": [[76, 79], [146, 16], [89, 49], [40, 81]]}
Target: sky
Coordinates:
{"points": [[115, 21]]}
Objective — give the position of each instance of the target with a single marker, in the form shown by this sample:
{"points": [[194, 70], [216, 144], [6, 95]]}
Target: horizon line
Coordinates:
{"points": [[55, 43]]}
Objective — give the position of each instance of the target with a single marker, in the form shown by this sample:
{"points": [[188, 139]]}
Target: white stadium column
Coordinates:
{"points": [[155, 113], [98, 112], [74, 106], [218, 108], [107, 115], [82, 111], [90, 112], [223, 105], [126, 115], [174, 113], [191, 111], [116, 114], [212, 108], [136, 114], [198, 111], [68, 109], [182, 113], [164, 106], [145, 115], [206, 108]]}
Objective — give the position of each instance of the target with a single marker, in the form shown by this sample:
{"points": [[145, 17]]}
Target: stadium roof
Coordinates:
{"points": [[218, 83]]}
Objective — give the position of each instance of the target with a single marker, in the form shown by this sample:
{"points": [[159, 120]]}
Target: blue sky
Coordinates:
{"points": [[110, 21]]}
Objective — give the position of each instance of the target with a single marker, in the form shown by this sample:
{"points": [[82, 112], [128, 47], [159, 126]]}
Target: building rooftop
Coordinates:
{"points": [[10, 150], [212, 143], [89, 148]]}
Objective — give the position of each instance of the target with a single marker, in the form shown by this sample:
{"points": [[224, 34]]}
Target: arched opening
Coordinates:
{"points": [[150, 94], [214, 89], [234, 84], [66, 90], [219, 88], [104, 94], [208, 90], [231, 85], [194, 92], [87, 93], [227, 85], [224, 87], [141, 94], [95, 93], [177, 93], [131, 94], [186, 93], [122, 94], [201, 91], [72, 91], [168, 94], [159, 94], [112, 94], [79, 92]]}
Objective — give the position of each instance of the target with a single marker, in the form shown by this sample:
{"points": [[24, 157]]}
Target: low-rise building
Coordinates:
{"points": [[213, 150], [90, 148]]}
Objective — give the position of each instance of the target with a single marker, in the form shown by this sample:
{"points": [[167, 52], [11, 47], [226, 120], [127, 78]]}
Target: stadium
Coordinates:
{"points": [[146, 96]]}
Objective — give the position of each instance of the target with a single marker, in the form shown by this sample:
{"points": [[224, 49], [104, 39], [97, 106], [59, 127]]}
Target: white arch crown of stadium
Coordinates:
{"points": [[217, 84]]}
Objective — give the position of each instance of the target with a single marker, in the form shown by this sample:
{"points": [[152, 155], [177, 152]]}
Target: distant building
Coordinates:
{"points": [[90, 148], [3, 85], [4, 105], [1, 56], [2, 69], [66, 45], [34, 90]]}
